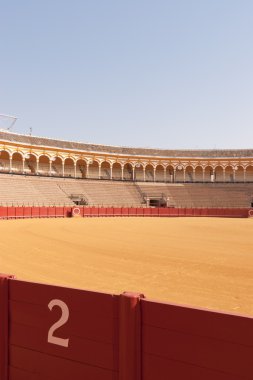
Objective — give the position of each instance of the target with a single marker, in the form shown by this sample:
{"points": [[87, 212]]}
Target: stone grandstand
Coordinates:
{"points": [[43, 171]]}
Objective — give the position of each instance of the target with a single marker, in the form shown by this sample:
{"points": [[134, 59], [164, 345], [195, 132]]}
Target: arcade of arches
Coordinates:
{"points": [[47, 164]]}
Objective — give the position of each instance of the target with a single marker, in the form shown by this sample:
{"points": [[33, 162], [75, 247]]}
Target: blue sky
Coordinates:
{"points": [[168, 74]]}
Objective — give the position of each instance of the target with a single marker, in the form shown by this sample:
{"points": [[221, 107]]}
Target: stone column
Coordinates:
{"points": [[37, 165], [23, 168]]}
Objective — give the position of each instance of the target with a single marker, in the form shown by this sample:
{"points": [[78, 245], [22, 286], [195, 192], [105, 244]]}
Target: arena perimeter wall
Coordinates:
{"points": [[64, 212], [55, 333]]}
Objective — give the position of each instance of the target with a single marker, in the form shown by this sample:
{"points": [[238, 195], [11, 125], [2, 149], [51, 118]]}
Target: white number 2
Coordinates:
{"points": [[64, 318]]}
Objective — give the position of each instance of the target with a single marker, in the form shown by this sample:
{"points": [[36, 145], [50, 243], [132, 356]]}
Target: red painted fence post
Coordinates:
{"points": [[130, 336], [4, 322]]}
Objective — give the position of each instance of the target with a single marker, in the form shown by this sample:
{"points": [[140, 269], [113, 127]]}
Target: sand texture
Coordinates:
{"points": [[204, 262]]}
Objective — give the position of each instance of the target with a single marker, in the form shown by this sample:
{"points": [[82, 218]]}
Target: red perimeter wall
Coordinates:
{"points": [[116, 337], [64, 212]]}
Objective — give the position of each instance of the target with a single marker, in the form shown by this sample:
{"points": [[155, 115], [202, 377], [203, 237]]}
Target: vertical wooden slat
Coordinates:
{"points": [[4, 322], [130, 336]]}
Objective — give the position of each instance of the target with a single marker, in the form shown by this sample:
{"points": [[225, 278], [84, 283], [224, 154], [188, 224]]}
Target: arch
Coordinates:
{"points": [[69, 167], [128, 171], [179, 173], [189, 174], [92, 169], [169, 174], [249, 173], [116, 171], [105, 170], [17, 163], [229, 174], [159, 173], [239, 174], [57, 166], [30, 163], [81, 168], [219, 174], [199, 173], [149, 173], [208, 174], [43, 165], [139, 172], [4, 161]]}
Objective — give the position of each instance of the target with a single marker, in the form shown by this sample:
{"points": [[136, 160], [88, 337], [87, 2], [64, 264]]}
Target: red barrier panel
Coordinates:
{"points": [[117, 211], [109, 211], [19, 211], [81, 347], [11, 212], [60, 333], [43, 212], [86, 211], [139, 211], [35, 212], [3, 212], [132, 211], [154, 212], [27, 212], [181, 212], [94, 211], [164, 211], [124, 211], [147, 212], [197, 212], [4, 326], [102, 211], [130, 336], [184, 343], [59, 212], [51, 211]]}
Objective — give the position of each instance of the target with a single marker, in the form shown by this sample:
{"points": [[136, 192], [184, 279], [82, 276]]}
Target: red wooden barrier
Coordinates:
{"points": [[11, 212], [19, 212], [124, 211], [4, 325], [43, 212], [139, 211], [109, 211], [117, 211], [49, 212], [132, 211], [84, 344], [102, 211], [58, 333], [187, 343], [130, 336]]}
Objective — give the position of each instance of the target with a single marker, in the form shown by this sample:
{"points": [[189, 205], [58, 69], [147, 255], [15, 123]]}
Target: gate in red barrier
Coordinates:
{"points": [[51, 332]]}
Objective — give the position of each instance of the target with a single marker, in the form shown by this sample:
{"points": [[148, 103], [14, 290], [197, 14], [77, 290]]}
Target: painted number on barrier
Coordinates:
{"points": [[64, 318]]}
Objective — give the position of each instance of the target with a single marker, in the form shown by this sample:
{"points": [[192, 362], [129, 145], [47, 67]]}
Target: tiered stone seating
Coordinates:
{"points": [[20, 190], [202, 195], [106, 193], [34, 190]]}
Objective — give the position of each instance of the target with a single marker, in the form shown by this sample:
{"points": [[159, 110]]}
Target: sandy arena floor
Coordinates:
{"points": [[202, 262]]}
